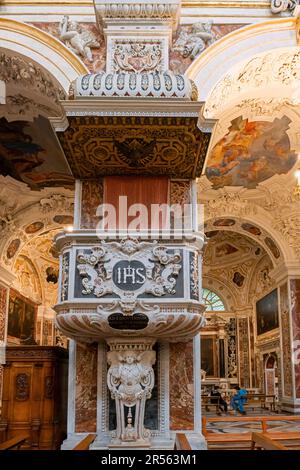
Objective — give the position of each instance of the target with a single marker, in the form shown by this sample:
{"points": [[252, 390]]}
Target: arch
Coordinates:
{"points": [[247, 213], [42, 48], [239, 46]]}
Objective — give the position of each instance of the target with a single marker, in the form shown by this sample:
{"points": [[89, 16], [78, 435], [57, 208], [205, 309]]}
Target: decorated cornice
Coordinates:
{"points": [[139, 85]]}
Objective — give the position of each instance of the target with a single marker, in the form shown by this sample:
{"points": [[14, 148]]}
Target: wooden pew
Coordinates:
{"points": [[261, 440], [14, 443], [244, 440], [181, 442], [85, 443]]}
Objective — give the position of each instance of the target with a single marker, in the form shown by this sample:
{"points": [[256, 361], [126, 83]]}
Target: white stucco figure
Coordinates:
{"points": [[79, 40], [191, 44], [130, 380]]}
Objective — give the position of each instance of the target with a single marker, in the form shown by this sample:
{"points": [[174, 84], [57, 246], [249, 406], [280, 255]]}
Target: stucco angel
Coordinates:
{"points": [[191, 44], [79, 40]]}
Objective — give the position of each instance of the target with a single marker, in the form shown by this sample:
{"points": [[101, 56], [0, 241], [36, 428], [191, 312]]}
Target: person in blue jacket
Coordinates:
{"points": [[238, 400]]}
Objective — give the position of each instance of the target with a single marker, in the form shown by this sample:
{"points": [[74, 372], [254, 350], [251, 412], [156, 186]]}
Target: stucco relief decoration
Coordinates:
{"points": [[57, 203], [130, 380], [22, 73], [138, 57], [268, 70], [279, 6], [65, 277], [138, 267], [78, 39], [192, 43]]}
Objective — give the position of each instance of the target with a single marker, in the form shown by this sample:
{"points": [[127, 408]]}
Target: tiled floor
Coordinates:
{"points": [[248, 426]]}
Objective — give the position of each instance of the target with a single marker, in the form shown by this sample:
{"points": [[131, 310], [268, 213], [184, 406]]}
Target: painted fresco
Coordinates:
{"points": [[267, 313], [251, 152], [251, 229], [273, 247], [224, 222], [34, 227], [225, 249], [30, 153]]}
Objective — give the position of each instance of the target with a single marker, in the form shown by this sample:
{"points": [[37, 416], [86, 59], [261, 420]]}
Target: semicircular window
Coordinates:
{"points": [[212, 301]]}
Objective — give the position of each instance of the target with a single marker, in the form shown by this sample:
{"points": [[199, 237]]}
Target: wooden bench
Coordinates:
{"points": [[244, 440], [261, 400], [181, 442], [207, 401], [14, 442], [85, 443], [262, 440]]}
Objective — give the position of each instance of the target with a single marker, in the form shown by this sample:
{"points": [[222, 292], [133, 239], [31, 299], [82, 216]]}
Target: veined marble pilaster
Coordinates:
{"points": [[286, 341], [86, 388], [295, 316], [181, 386]]}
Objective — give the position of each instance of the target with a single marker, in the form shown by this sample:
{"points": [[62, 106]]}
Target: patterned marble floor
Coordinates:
{"points": [[248, 426]]}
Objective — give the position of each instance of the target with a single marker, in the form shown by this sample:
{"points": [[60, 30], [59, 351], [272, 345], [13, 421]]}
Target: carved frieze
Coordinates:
{"points": [[138, 268], [136, 56]]}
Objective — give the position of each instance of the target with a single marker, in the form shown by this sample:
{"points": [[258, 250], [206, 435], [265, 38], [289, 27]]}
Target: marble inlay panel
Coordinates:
{"points": [[91, 198], [3, 305], [243, 336], [86, 388], [286, 340], [181, 386]]}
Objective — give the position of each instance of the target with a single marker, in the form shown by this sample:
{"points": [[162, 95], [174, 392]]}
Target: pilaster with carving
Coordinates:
{"points": [[130, 379]]}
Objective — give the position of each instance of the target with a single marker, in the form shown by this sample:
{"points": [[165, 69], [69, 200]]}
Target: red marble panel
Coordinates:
{"points": [[91, 198], [295, 313], [286, 340], [86, 388], [181, 386]]}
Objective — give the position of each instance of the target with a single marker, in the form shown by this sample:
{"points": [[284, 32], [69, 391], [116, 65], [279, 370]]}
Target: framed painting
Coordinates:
{"points": [[267, 313], [21, 317], [208, 355]]}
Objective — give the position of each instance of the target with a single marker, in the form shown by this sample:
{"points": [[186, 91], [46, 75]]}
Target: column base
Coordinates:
{"points": [[290, 407], [197, 441]]}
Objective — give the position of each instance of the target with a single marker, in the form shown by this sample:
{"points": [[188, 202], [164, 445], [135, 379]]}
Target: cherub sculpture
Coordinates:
{"points": [[80, 41], [191, 44]]}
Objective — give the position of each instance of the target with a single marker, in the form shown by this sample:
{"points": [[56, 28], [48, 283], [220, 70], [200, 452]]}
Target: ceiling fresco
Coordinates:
{"points": [[251, 152], [30, 153]]}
